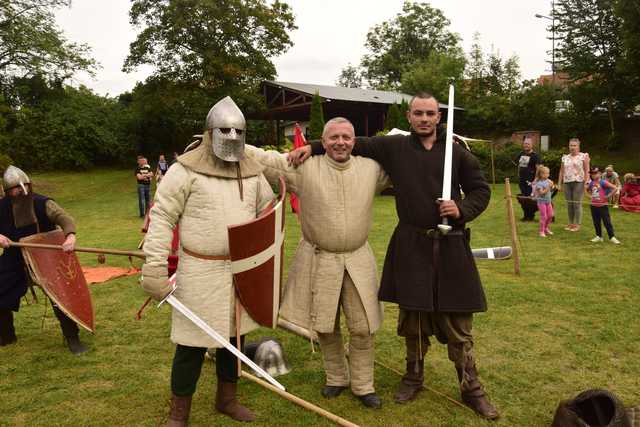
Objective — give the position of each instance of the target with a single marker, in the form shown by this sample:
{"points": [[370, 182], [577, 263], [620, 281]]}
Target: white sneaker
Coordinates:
{"points": [[597, 239], [615, 241]]}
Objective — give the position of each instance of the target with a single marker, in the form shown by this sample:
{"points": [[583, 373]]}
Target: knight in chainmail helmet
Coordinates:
{"points": [[227, 127], [23, 213], [211, 186]]}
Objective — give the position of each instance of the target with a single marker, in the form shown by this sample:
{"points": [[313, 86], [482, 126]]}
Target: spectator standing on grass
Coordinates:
{"points": [[143, 174], [542, 193], [574, 172], [612, 176], [528, 160], [597, 191], [162, 168]]}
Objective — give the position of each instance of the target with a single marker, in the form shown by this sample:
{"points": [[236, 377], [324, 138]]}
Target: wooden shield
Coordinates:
{"points": [[60, 276], [256, 251]]}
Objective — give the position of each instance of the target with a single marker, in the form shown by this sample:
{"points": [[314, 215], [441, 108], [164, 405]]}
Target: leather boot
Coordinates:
{"points": [[411, 382], [179, 413], [227, 403], [7, 331], [75, 345], [472, 393]]}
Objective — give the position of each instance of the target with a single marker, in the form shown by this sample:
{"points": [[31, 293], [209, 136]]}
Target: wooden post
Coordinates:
{"points": [[298, 401], [512, 226], [493, 166]]}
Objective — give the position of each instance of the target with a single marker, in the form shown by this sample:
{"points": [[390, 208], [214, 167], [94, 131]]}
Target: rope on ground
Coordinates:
{"points": [[450, 399]]}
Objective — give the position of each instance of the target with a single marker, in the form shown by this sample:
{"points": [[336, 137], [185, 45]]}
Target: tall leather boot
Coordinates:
{"points": [[7, 331], [472, 393], [227, 403], [412, 381], [179, 413]]}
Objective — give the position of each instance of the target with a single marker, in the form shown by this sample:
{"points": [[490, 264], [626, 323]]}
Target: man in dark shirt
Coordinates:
{"points": [[528, 161], [144, 174], [432, 277]]}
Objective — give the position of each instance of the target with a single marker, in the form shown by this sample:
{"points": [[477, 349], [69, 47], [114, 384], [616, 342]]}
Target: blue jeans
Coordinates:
{"points": [[143, 198]]}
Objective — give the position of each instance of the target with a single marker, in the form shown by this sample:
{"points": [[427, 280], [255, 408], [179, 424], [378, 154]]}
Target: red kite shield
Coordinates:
{"points": [[60, 276], [256, 249]]}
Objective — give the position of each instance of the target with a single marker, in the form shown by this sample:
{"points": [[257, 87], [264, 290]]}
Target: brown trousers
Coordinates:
{"points": [[358, 372], [453, 329]]}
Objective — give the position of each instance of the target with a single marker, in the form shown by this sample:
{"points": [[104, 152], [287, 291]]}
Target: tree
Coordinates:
{"points": [[511, 76], [220, 44], [393, 118], [31, 43], [316, 119], [396, 45], [629, 12], [404, 123], [350, 76], [434, 74], [475, 69], [590, 47]]}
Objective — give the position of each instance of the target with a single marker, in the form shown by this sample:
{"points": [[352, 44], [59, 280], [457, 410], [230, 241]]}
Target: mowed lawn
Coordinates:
{"points": [[569, 322]]}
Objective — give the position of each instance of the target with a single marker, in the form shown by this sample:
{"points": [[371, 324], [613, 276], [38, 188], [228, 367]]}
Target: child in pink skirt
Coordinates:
{"points": [[542, 193]]}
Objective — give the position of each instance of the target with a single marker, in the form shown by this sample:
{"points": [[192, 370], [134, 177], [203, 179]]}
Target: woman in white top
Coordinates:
{"points": [[573, 177]]}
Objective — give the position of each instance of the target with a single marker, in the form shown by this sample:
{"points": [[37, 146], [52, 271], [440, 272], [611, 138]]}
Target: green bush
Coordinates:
{"points": [[504, 158], [614, 142], [5, 161]]}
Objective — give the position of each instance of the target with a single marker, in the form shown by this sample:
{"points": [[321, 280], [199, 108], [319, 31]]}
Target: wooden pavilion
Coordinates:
{"points": [[365, 108]]}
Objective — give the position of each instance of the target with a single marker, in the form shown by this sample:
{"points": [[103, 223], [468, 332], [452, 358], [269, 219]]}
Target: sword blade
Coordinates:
{"points": [[448, 151], [175, 303]]}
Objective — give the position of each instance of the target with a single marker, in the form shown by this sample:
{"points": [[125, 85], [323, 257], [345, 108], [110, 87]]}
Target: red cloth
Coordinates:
{"points": [[298, 141], [630, 197]]}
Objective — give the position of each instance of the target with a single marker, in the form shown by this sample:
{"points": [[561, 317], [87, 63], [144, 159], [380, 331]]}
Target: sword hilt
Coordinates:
{"points": [[444, 227]]}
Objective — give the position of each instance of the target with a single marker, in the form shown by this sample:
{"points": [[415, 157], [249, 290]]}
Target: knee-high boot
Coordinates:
{"points": [[180, 410], [412, 381], [472, 392]]}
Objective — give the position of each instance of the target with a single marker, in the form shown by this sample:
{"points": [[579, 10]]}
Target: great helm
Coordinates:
{"points": [[15, 177], [228, 127]]}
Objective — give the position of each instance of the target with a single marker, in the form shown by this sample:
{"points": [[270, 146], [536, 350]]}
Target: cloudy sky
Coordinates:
{"points": [[331, 34]]}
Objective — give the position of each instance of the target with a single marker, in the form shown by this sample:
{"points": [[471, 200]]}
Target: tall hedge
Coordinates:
{"points": [[316, 119]]}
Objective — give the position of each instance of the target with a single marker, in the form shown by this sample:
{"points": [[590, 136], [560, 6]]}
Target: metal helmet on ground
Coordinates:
{"points": [[228, 127], [15, 177], [269, 355]]}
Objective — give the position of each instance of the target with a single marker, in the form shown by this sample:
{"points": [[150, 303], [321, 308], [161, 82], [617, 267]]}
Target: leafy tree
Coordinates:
{"points": [[475, 69], [316, 119], [396, 45], [220, 44], [201, 51], [403, 123], [350, 76], [435, 74], [590, 47], [31, 43], [511, 76], [629, 12], [393, 118]]}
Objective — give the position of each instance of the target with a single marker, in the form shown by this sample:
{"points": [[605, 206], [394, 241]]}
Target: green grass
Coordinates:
{"points": [[569, 322]]}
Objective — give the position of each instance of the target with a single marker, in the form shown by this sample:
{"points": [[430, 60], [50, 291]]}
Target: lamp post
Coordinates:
{"points": [[551, 18]]}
